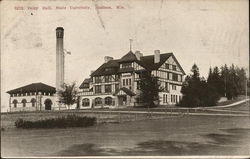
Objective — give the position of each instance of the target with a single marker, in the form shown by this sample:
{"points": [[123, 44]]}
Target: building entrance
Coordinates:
{"points": [[122, 100], [48, 104]]}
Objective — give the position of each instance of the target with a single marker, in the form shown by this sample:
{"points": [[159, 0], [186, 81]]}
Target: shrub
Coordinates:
{"points": [[60, 122]]}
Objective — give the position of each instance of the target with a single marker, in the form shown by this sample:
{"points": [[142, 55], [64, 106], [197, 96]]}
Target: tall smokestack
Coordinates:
{"points": [[59, 59]]}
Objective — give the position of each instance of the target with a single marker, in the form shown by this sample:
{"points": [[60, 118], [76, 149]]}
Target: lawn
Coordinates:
{"points": [[183, 135]]}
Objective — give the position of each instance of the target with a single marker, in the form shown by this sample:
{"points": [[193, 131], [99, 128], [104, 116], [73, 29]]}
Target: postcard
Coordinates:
{"points": [[125, 78]]}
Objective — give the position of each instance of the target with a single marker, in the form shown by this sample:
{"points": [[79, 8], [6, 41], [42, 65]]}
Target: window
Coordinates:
{"points": [[117, 87], [24, 101], [176, 98], [33, 102], [98, 101], [167, 66], [165, 98], [174, 67], [170, 76], [98, 89], [123, 82], [173, 87], [127, 82], [126, 65], [175, 77], [108, 78], [108, 88], [180, 76], [166, 86], [15, 103], [108, 101], [85, 102], [98, 79]]}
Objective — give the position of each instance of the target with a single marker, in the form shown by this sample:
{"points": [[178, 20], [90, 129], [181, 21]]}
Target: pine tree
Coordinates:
{"points": [[196, 91], [214, 80], [242, 80], [225, 78]]}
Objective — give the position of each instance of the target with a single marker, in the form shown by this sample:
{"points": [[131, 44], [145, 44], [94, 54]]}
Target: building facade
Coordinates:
{"points": [[116, 82], [32, 97]]}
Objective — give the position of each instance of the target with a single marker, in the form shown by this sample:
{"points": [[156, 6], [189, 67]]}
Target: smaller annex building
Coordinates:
{"points": [[32, 97]]}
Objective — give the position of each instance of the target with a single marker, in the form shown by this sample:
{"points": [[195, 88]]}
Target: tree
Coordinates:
{"points": [[214, 80], [234, 80], [196, 73], [196, 91], [150, 88], [68, 94], [225, 78], [241, 73]]}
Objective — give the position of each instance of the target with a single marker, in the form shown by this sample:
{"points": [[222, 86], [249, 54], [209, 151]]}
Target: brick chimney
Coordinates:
{"points": [[157, 56], [138, 55], [108, 58], [59, 58]]}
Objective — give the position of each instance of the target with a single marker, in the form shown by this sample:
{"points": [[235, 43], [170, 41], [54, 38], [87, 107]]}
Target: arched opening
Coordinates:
{"points": [[24, 101], [98, 101], [85, 102], [48, 104], [15, 103], [33, 102], [108, 101]]}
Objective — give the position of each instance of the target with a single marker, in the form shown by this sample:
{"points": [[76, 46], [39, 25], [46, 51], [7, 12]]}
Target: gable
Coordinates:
{"points": [[172, 61]]}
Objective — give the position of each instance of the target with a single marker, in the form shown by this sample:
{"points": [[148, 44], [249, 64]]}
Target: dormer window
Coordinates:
{"points": [[126, 65]]}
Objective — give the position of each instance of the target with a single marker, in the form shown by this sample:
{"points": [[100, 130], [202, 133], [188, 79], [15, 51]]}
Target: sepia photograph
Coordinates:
{"points": [[125, 79]]}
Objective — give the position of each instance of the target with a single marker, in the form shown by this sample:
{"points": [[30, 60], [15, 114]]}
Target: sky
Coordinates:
{"points": [[206, 32]]}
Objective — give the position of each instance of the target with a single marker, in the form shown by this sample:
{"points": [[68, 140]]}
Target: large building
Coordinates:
{"points": [[32, 97], [116, 82]]}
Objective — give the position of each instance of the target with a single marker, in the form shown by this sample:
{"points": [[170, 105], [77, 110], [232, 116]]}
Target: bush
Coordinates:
{"points": [[60, 122]]}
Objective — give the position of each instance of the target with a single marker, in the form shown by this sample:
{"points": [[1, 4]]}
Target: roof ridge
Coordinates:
{"points": [[32, 86], [160, 54]]}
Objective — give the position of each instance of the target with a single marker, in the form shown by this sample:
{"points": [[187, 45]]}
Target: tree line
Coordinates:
{"points": [[225, 81]]}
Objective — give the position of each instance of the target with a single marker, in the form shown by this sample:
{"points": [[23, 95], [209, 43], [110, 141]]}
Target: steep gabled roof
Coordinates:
{"points": [[113, 64], [129, 57], [146, 61], [34, 87], [86, 80], [126, 90]]}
